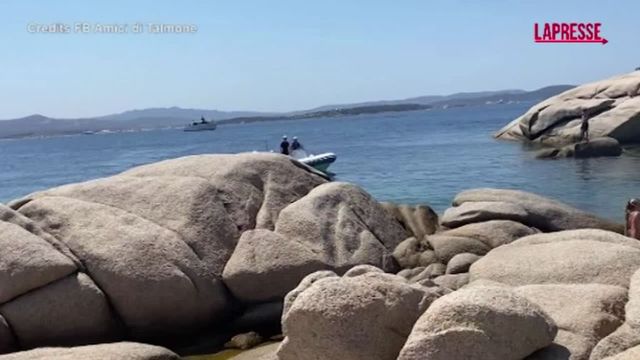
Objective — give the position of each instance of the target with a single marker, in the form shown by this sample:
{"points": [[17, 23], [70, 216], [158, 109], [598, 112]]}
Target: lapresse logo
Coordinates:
{"points": [[575, 32]]}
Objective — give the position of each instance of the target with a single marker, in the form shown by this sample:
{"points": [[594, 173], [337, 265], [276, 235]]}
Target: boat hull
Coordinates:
{"points": [[319, 162], [201, 127]]}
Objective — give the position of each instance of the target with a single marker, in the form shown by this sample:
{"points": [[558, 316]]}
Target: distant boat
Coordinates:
{"points": [[203, 125]]}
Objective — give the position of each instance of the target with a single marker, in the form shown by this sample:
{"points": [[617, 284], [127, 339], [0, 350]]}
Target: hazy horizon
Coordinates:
{"points": [[285, 56], [276, 112]]}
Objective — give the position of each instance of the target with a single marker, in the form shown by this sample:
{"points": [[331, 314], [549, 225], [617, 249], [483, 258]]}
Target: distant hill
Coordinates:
{"points": [[422, 100], [505, 97], [358, 110], [180, 113], [155, 118]]}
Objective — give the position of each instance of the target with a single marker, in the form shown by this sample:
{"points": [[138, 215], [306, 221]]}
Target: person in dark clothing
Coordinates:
{"points": [[584, 127], [202, 120], [284, 146], [295, 145]]}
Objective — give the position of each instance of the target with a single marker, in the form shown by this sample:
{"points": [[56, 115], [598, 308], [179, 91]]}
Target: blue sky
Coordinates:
{"points": [[289, 55]]}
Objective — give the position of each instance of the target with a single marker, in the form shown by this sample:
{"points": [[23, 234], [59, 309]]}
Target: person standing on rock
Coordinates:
{"points": [[295, 145], [284, 146], [632, 216], [584, 127]]}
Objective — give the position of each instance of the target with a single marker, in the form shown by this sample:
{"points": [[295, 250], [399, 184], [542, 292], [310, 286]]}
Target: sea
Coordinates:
{"points": [[416, 157]]}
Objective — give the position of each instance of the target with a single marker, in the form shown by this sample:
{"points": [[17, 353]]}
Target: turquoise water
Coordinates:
{"points": [[410, 157]]}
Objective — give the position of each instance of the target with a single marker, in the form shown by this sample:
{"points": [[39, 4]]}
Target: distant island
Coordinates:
{"points": [[159, 118], [358, 110]]}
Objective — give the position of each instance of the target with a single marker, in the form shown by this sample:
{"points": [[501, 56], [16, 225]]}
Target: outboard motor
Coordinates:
{"points": [[632, 216]]}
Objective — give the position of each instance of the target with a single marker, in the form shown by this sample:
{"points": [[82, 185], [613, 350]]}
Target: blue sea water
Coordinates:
{"points": [[407, 157]]}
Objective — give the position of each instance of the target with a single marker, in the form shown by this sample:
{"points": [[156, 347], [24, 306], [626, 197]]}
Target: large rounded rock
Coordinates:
{"points": [[254, 186], [633, 306], [544, 214], [579, 256], [412, 253], [630, 354], [493, 233], [577, 235], [344, 222], [263, 352], [566, 346], [28, 262], [11, 216], [612, 104], [196, 215], [154, 280], [113, 351], [336, 226], [586, 313], [7, 340], [479, 211], [366, 316], [69, 311], [428, 273], [306, 283], [598, 147], [452, 281], [266, 266], [461, 263], [479, 323], [446, 246], [624, 338], [627, 335], [418, 220], [156, 238]]}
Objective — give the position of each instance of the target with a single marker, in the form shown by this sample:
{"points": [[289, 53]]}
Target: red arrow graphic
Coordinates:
{"points": [[602, 40]]}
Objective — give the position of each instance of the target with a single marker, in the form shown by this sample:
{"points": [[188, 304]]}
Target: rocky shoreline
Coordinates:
{"points": [[200, 248], [613, 107]]}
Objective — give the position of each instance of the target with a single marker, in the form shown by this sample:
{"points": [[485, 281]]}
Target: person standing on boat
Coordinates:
{"points": [[202, 120], [295, 145], [584, 127], [284, 146]]}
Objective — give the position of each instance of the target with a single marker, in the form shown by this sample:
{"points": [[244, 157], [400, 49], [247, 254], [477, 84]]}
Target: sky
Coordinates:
{"points": [[282, 55]]}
